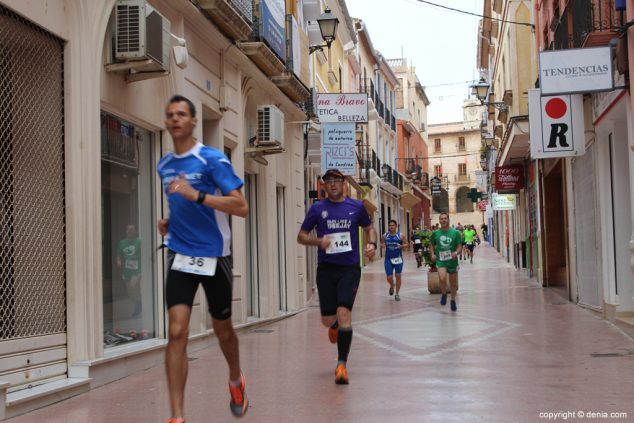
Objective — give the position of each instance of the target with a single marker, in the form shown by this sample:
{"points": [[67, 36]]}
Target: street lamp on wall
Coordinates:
{"points": [[481, 91], [385, 169], [328, 28]]}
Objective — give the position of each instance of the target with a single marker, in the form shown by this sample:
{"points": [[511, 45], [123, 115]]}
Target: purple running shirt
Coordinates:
{"points": [[343, 219]]}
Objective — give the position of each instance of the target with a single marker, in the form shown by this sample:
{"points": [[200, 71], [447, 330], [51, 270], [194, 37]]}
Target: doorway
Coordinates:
{"points": [[253, 285], [554, 223], [281, 248]]}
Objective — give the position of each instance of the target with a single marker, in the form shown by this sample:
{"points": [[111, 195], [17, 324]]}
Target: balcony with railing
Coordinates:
{"points": [[294, 80], [462, 179], [561, 33], [595, 23], [233, 17], [410, 167], [264, 49], [392, 179], [367, 86], [369, 165], [414, 174]]}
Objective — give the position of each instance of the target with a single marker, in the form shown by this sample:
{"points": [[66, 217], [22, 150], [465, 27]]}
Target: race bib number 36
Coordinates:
{"points": [[205, 266], [339, 243], [445, 255]]}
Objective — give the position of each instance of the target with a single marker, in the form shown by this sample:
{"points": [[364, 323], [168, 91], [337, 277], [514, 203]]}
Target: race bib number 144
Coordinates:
{"points": [[339, 243]]}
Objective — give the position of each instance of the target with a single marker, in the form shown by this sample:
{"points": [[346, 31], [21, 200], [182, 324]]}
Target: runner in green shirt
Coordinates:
{"points": [[446, 245], [469, 239]]}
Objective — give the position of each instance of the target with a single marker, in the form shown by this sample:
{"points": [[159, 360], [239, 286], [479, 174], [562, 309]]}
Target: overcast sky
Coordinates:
{"points": [[440, 43]]}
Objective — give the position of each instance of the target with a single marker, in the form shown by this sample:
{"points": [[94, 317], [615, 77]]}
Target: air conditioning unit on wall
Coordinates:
{"points": [[270, 127], [142, 37]]}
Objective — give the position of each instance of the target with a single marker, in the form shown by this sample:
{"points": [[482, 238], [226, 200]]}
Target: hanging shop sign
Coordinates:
{"points": [[571, 71], [338, 148], [509, 178], [504, 201], [556, 125], [482, 205], [273, 25], [342, 107], [436, 185]]}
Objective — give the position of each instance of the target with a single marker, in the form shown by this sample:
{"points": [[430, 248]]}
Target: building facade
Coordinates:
{"points": [[589, 261], [411, 121], [80, 147], [454, 158]]}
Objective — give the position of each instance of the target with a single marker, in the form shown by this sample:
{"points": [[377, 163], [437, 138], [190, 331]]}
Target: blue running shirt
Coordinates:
{"points": [[391, 245], [194, 229], [328, 217]]}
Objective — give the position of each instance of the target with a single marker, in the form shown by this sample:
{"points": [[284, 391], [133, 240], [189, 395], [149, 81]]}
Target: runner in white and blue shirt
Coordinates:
{"points": [[197, 230], [202, 190], [393, 242]]}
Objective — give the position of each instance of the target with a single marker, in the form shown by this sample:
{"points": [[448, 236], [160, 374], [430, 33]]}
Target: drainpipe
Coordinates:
{"points": [[630, 130]]}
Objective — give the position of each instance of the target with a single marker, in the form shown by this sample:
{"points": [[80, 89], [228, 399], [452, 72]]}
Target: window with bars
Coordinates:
{"points": [[462, 169], [437, 145], [462, 145]]}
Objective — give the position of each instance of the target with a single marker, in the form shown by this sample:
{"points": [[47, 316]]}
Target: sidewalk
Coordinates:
{"points": [[512, 351]]}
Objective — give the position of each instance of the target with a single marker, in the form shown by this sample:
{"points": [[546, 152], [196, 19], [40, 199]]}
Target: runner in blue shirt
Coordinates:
{"points": [[202, 189], [392, 241], [337, 220]]}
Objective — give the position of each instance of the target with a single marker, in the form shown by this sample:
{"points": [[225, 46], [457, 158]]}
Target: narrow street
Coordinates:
{"points": [[512, 352]]}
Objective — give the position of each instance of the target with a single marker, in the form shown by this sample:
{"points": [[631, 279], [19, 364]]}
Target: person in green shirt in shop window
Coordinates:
{"points": [[445, 246], [129, 263]]}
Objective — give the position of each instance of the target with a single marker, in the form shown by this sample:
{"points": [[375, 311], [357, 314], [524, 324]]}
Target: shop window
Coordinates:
{"points": [[128, 228]]}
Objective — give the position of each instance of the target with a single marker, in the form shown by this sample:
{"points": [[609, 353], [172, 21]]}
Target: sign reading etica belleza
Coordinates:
{"points": [[342, 108]]}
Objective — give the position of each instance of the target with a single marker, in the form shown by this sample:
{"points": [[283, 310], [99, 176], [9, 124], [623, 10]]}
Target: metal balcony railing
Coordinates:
{"points": [[368, 160], [593, 16], [423, 182], [410, 167], [244, 8], [561, 33], [380, 107], [391, 176], [462, 178]]}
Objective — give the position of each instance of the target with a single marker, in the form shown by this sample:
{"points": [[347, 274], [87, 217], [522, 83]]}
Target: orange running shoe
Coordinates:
{"points": [[333, 334], [239, 402], [176, 420], [341, 375]]}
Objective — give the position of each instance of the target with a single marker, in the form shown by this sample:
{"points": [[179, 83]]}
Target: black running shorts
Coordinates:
{"points": [[180, 288], [337, 286]]}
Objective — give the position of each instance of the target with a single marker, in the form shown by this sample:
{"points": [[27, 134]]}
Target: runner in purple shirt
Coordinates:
{"points": [[337, 220]]}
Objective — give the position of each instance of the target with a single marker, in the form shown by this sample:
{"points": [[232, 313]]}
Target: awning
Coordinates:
{"points": [[409, 200]]}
